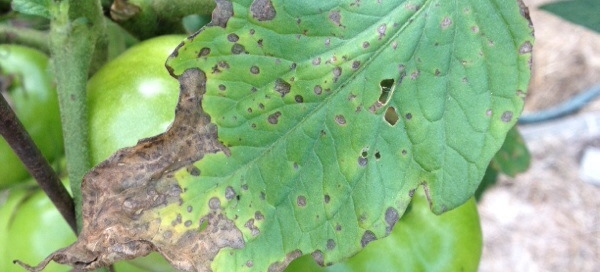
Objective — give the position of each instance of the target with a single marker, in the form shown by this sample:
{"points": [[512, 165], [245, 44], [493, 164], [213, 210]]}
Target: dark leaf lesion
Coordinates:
{"points": [[120, 194]]}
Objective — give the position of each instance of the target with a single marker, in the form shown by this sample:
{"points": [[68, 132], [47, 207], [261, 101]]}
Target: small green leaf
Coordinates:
{"points": [[32, 7], [581, 12], [513, 157]]}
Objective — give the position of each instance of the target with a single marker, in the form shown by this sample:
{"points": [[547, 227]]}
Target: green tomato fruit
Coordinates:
{"points": [[31, 229], [28, 87], [420, 241], [132, 97]]}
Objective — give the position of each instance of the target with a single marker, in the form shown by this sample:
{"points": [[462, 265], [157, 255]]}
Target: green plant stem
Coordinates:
{"points": [[19, 140], [148, 18], [25, 36], [76, 29]]}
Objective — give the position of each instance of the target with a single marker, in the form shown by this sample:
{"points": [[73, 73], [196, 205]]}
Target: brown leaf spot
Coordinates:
{"points": [[232, 37], [525, 48], [381, 30], [204, 52], [317, 255], [262, 10], [362, 161], [391, 217], [280, 266], [214, 203], [335, 17], [229, 193], [237, 49], [282, 87], [330, 244], [337, 71], [326, 198], [355, 64], [274, 118], [366, 45], [367, 237], [301, 201], [506, 116], [253, 229], [258, 215], [254, 69], [222, 13], [318, 89], [316, 61], [298, 98], [446, 22], [340, 119], [193, 170]]}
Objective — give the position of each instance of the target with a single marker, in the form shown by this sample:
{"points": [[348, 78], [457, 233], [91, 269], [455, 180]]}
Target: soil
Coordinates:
{"points": [[548, 218]]}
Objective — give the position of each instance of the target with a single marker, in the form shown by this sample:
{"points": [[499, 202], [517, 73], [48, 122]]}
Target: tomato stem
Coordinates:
{"points": [[19, 140], [76, 42]]}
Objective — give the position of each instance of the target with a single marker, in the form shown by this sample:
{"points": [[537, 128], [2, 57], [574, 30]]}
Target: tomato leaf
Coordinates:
{"points": [[317, 122], [334, 113]]}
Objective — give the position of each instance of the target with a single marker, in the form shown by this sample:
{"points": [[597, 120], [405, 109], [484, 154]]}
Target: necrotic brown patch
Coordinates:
{"points": [[263, 10], [301, 201], [506, 116], [274, 118], [367, 237], [391, 217], [232, 37], [222, 13], [282, 87], [340, 119], [335, 17], [318, 89], [204, 52], [237, 49]]}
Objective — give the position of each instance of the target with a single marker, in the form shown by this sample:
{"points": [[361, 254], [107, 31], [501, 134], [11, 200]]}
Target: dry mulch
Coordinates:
{"points": [[548, 219]]}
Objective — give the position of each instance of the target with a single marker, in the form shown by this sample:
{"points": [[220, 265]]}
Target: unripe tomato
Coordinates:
{"points": [[132, 97], [27, 85]]}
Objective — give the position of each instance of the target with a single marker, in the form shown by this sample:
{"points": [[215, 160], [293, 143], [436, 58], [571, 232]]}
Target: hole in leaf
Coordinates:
{"points": [[387, 87], [203, 225], [391, 116]]}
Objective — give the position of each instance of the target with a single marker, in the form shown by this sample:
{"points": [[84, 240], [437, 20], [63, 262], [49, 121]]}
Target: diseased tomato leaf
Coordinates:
{"points": [[318, 122]]}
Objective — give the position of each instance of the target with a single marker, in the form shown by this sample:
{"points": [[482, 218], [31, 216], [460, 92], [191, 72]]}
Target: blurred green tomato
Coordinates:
{"points": [[27, 86], [420, 241]]}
